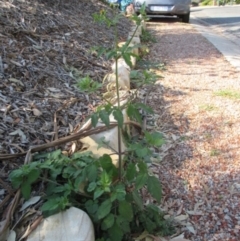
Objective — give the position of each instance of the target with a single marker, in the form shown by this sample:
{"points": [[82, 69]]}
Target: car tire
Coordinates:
{"points": [[185, 18]]}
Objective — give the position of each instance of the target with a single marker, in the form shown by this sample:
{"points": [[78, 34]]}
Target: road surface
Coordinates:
{"points": [[221, 26]]}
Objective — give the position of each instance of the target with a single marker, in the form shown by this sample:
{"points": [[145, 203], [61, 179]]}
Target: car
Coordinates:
{"points": [[154, 8]]}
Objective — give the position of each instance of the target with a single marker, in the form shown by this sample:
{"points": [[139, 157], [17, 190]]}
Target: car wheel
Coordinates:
{"points": [[185, 18]]}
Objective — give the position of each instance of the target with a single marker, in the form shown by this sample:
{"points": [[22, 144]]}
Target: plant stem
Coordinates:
{"points": [[118, 104]]}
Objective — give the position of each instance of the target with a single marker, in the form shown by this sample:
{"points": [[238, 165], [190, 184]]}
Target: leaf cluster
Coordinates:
{"points": [[114, 205]]}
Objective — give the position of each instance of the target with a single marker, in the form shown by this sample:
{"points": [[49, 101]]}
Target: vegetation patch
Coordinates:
{"points": [[231, 94]]}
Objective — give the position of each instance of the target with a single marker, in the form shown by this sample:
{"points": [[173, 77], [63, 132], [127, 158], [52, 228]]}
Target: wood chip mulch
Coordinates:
{"points": [[45, 48]]}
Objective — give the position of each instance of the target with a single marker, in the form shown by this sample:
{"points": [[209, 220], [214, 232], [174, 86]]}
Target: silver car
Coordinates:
{"points": [[180, 8]]}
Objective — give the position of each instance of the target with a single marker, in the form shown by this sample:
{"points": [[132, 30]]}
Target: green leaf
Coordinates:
{"points": [[154, 187], [131, 171], [104, 209], [55, 154], [92, 173], [133, 113], [108, 222], [106, 164], [141, 180], [111, 54], [91, 207], [104, 117], [92, 186], [105, 179], [142, 167], [26, 190], [146, 108], [123, 224], [33, 175], [154, 139], [137, 199], [125, 210], [94, 119], [16, 178], [50, 204], [98, 192], [115, 232], [127, 58], [118, 116], [142, 152]]}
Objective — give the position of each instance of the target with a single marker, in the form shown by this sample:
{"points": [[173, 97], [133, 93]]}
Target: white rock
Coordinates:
{"points": [[70, 225]]}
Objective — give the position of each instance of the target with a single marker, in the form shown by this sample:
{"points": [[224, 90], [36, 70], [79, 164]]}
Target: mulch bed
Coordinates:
{"points": [[46, 47]]}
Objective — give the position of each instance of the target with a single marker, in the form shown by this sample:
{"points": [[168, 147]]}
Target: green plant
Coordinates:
{"points": [[231, 94], [147, 37], [110, 195]]}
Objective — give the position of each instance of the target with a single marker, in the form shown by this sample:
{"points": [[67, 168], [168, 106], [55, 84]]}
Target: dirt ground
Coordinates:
{"points": [[197, 106]]}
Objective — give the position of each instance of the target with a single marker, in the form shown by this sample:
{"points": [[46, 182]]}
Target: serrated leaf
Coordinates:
{"points": [[131, 171], [104, 117], [154, 187], [137, 199], [106, 163], [141, 180], [50, 204], [108, 222], [105, 180], [142, 166], [115, 232], [104, 209], [123, 224], [33, 175], [92, 173], [125, 210], [26, 190], [94, 119], [118, 116], [155, 138], [143, 152], [98, 192], [16, 178], [91, 186], [91, 207], [133, 113]]}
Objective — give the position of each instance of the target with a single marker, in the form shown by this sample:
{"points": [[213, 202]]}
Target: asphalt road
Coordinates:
{"points": [[221, 26], [225, 17]]}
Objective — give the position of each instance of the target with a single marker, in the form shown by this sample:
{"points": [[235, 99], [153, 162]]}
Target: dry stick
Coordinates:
{"points": [[66, 139], [9, 216]]}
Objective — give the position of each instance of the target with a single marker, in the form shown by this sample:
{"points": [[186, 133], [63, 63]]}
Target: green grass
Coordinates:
{"points": [[215, 152], [231, 94], [208, 107]]}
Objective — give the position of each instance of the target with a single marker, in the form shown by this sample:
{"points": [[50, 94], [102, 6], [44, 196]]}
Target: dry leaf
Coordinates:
{"points": [[190, 227], [30, 202], [181, 218], [179, 238], [54, 89], [195, 212], [21, 134], [16, 81], [36, 112], [12, 236]]}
